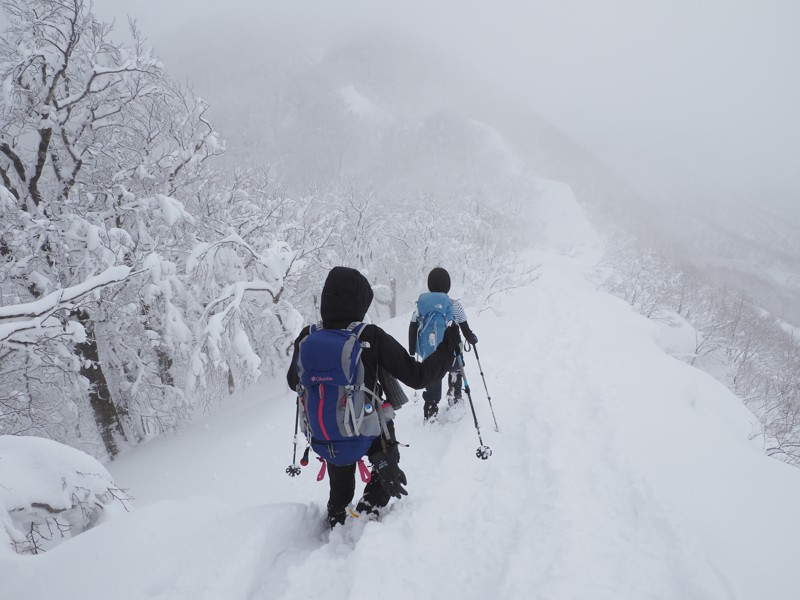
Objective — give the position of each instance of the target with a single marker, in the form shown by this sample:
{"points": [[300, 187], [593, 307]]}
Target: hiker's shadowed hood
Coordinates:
{"points": [[346, 297]]}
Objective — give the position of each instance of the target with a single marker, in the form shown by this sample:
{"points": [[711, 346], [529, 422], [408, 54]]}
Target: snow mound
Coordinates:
{"points": [[50, 492]]}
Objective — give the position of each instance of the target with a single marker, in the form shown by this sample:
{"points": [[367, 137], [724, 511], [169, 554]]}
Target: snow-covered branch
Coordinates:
{"points": [[23, 317]]}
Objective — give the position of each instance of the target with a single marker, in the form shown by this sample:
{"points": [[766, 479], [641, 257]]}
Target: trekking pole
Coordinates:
{"points": [[480, 368], [483, 452], [293, 470]]}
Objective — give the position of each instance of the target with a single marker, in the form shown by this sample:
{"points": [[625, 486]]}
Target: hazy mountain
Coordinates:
{"points": [[403, 117]]}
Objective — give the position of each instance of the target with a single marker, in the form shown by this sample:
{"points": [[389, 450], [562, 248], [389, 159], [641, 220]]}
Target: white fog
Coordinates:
{"points": [[709, 90], [693, 107]]}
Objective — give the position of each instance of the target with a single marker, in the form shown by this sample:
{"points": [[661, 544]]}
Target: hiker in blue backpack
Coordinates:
{"points": [[435, 310], [339, 371]]}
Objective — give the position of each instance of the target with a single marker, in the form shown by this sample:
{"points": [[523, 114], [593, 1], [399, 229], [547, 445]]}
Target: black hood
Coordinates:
{"points": [[439, 280], [346, 297]]}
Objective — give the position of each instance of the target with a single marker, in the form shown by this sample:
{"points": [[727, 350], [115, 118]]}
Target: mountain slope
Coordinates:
{"points": [[618, 473]]}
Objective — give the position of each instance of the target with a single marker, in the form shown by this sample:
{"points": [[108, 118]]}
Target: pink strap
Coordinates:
{"points": [[322, 469], [364, 471]]}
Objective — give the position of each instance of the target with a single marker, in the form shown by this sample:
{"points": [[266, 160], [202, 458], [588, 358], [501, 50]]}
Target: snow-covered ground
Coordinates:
{"points": [[618, 472]]}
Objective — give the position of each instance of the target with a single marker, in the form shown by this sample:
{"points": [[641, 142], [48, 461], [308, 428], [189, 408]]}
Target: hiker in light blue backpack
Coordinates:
{"points": [[435, 309]]}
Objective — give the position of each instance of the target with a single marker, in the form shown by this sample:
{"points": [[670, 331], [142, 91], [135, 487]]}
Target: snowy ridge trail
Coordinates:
{"points": [[610, 541], [618, 473]]}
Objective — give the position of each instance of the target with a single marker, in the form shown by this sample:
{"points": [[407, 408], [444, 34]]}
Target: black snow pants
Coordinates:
{"points": [[343, 483]]}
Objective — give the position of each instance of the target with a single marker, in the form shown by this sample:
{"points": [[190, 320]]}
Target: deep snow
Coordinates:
{"points": [[618, 472]]}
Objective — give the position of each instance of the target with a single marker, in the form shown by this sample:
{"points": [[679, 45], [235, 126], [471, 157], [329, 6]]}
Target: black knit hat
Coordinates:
{"points": [[439, 280], [346, 296]]}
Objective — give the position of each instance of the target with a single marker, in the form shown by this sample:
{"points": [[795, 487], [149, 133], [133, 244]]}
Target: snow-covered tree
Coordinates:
{"points": [[103, 165], [66, 94]]}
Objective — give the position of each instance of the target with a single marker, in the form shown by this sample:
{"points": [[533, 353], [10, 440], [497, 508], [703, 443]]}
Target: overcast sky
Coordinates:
{"points": [[668, 90]]}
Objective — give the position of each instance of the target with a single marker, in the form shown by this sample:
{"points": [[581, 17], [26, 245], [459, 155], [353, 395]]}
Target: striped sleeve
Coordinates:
{"points": [[459, 316]]}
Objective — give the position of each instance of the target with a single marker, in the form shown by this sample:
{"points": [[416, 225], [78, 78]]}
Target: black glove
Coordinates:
{"points": [[390, 476], [469, 335], [452, 339]]}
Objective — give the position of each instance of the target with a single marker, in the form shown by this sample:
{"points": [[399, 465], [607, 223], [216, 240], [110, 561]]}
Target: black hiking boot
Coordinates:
{"points": [[368, 510], [430, 411], [336, 515]]}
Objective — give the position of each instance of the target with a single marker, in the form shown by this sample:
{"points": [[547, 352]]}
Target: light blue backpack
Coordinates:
{"points": [[434, 312]]}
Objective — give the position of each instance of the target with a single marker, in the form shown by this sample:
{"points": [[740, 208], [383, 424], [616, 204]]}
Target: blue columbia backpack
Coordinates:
{"points": [[435, 311], [341, 417]]}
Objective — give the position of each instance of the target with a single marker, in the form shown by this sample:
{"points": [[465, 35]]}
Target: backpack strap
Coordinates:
{"points": [[320, 326], [377, 401], [354, 328]]}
